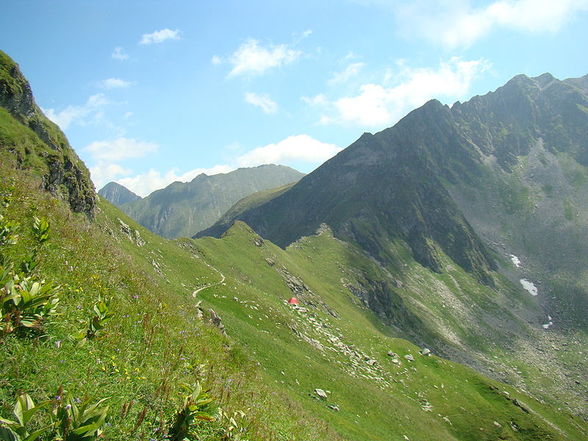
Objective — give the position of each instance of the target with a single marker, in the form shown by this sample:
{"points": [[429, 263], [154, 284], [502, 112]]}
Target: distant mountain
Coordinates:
{"points": [[183, 209], [117, 194]]}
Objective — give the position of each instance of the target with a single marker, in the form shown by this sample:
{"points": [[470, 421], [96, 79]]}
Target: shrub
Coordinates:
{"points": [[19, 430], [198, 406], [25, 303]]}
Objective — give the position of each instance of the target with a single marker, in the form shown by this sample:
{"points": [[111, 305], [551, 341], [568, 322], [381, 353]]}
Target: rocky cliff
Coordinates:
{"points": [[64, 174]]}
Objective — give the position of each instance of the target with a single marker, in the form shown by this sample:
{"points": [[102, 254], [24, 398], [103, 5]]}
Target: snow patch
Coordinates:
{"points": [[549, 322], [529, 286], [515, 260]]}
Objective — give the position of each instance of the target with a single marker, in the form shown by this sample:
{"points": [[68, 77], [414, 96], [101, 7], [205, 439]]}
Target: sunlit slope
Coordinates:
{"points": [[153, 343], [335, 343]]}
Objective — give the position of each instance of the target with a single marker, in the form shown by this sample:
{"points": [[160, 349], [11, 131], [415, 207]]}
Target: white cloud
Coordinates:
{"points": [[80, 114], [119, 149], [298, 37], [102, 173], [460, 24], [145, 183], [253, 59], [377, 105], [119, 54], [346, 74], [317, 100], [264, 102], [114, 83], [299, 148], [160, 36], [294, 148], [216, 60]]}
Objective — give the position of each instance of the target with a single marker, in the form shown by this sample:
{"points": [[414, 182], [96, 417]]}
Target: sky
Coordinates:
{"points": [[150, 92]]}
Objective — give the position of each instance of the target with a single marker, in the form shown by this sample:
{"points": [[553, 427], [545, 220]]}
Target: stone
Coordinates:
{"points": [[425, 351], [409, 357], [392, 354], [216, 321], [321, 394], [334, 407]]}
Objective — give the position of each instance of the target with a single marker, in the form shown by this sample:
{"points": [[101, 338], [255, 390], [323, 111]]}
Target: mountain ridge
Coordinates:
{"points": [[117, 194], [472, 185], [453, 147], [333, 367], [183, 208]]}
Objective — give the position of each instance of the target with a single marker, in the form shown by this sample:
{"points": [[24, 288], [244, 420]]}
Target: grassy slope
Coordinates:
{"points": [[383, 401], [154, 342], [249, 202]]}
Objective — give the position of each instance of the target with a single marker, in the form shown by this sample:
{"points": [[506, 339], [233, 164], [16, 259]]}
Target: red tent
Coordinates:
{"points": [[293, 301]]}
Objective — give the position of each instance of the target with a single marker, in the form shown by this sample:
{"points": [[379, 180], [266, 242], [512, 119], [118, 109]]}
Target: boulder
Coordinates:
{"points": [[321, 394]]}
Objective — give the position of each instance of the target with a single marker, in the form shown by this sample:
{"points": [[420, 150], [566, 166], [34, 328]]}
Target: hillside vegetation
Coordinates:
{"points": [[159, 337], [194, 339]]}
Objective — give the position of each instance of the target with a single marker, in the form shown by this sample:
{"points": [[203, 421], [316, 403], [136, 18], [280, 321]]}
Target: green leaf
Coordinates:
{"points": [[205, 401], [7, 434], [196, 392], [23, 403], [204, 416], [37, 433], [9, 423]]}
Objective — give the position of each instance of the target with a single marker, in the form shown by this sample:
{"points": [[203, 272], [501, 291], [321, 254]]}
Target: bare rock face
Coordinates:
{"points": [[64, 174]]}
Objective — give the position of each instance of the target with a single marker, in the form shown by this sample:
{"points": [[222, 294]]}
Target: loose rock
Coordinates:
{"points": [[321, 393]]}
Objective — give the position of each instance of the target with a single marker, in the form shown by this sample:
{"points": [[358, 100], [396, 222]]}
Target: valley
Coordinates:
{"points": [[426, 261]]}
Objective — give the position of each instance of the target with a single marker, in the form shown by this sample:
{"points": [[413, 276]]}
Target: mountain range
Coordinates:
{"points": [[438, 268], [497, 185], [184, 208]]}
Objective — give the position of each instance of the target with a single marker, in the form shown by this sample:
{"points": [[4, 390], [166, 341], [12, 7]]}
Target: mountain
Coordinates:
{"points": [[497, 186], [513, 159], [31, 139], [117, 194], [91, 305], [182, 209]]}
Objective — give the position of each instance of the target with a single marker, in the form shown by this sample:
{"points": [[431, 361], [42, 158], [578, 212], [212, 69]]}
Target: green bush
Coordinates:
{"points": [[20, 430], [25, 303]]}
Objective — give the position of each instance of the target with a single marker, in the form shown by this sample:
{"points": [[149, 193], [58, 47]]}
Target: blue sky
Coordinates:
{"points": [[149, 92]]}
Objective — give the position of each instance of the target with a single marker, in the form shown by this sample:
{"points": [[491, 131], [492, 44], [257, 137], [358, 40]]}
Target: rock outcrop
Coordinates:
{"points": [[64, 174]]}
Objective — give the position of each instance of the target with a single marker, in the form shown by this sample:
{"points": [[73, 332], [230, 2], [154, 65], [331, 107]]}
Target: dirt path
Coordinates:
{"points": [[195, 293]]}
